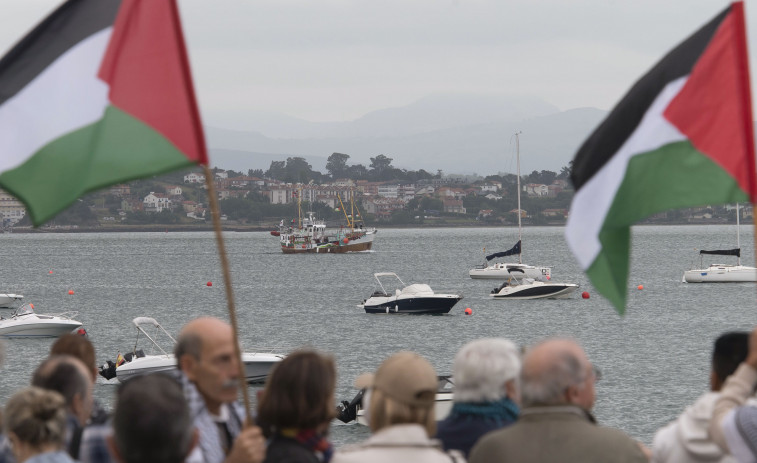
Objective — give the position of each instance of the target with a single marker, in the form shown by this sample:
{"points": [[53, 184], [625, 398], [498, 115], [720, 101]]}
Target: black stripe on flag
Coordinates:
{"points": [[607, 139], [71, 23]]}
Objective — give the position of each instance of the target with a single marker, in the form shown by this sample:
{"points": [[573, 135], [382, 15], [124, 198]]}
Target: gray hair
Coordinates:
{"points": [[482, 368], [64, 374], [546, 386], [37, 417], [189, 343], [152, 421]]}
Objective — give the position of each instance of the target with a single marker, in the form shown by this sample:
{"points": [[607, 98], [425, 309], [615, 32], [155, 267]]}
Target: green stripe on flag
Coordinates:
{"points": [[116, 149], [674, 176]]}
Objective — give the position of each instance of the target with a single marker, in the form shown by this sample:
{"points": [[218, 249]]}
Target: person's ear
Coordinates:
{"points": [[512, 391], [188, 364], [113, 449]]}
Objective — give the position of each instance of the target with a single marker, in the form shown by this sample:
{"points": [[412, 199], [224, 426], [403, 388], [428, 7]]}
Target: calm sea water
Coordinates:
{"points": [[654, 361]]}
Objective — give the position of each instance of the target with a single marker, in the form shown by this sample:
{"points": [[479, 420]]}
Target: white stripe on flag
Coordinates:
{"points": [[67, 95], [592, 202]]}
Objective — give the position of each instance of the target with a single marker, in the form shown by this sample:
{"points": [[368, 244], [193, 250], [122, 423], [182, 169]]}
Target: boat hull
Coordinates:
{"points": [[722, 274], [438, 304], [257, 366], [501, 271], [38, 329], [536, 290], [358, 244]]}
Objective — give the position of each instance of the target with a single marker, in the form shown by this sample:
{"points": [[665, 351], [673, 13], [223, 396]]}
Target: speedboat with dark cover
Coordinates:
{"points": [[527, 288], [416, 298], [25, 323], [7, 300], [257, 365]]}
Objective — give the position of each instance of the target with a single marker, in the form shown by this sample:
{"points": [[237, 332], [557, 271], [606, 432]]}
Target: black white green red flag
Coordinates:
{"points": [[681, 137], [100, 92]]}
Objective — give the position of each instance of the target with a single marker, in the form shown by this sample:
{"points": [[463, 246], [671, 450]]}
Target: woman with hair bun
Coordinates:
{"points": [[35, 422]]}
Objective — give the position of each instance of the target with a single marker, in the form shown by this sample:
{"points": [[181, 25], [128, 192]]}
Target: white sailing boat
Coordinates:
{"points": [[722, 273], [502, 270]]}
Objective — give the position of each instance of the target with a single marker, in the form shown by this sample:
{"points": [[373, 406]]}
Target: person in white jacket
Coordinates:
{"points": [[686, 439]]}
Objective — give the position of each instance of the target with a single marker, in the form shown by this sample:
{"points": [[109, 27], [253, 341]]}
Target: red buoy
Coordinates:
{"points": [[346, 240], [640, 287], [468, 311], [585, 294], [50, 271], [210, 283], [70, 291]]}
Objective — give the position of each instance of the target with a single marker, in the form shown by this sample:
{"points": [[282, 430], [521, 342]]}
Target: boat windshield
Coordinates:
{"points": [[25, 309]]}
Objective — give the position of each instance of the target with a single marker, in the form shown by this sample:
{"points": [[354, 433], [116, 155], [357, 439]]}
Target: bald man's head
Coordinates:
{"points": [[68, 376], [557, 372], [205, 354]]}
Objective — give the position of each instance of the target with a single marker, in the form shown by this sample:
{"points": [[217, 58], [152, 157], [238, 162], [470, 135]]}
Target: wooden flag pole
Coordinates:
{"points": [[215, 213]]}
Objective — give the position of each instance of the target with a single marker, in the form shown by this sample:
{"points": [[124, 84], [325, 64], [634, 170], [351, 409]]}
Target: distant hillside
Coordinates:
{"points": [[458, 134]]}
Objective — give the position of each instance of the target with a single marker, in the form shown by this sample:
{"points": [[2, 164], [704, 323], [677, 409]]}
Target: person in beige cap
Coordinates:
{"points": [[400, 412]]}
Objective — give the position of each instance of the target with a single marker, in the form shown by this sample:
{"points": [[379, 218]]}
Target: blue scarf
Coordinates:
{"points": [[502, 411]]}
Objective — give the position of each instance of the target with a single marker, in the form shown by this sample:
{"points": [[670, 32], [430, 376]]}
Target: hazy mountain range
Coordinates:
{"points": [[455, 133]]}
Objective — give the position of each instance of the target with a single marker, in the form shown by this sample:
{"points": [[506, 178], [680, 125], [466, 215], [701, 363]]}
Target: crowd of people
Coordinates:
{"points": [[510, 405]]}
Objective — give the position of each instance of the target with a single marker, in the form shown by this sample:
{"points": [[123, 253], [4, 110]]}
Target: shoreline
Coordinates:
{"points": [[258, 228]]}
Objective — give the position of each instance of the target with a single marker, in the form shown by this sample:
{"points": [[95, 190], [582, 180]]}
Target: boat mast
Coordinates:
{"points": [[738, 236], [517, 157]]}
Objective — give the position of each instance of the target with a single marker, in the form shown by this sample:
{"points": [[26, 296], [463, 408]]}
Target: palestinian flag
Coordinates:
{"points": [[681, 137], [98, 93]]}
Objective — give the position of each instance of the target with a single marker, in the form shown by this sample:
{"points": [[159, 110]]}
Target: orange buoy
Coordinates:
{"points": [[346, 240], [640, 287], [210, 283], [585, 294], [31, 305], [468, 311], [70, 291]]}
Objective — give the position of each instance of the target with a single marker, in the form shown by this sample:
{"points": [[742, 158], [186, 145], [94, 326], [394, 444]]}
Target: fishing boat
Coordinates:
{"points": [[722, 273], [500, 270], [416, 298], [25, 323], [520, 287], [257, 365], [310, 235]]}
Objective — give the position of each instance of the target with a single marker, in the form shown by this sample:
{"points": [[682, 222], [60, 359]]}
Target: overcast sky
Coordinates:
{"points": [[335, 60]]}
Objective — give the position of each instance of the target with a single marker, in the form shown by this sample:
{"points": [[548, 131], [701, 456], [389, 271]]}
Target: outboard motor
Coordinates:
{"points": [[108, 370], [347, 411]]}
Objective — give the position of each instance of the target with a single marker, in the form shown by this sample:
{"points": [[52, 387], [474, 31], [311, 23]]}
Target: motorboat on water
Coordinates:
{"points": [[500, 270], [354, 410], [7, 300], [257, 365], [516, 287], [25, 323], [416, 298], [722, 273]]}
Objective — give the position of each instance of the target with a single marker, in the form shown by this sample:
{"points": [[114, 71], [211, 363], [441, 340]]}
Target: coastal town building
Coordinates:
{"points": [[194, 177], [156, 202], [11, 209]]}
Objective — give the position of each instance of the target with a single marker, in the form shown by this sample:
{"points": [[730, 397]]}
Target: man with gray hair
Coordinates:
{"points": [[555, 425], [487, 394]]}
